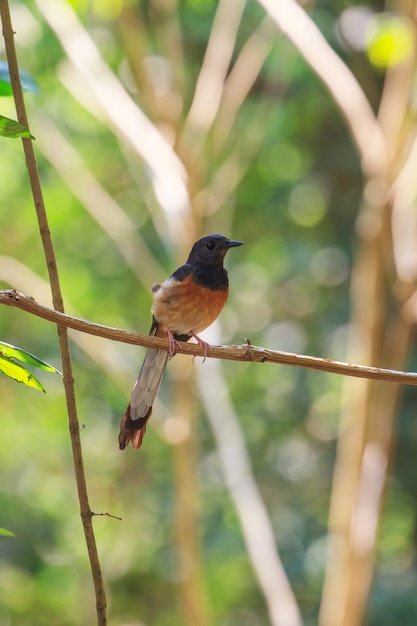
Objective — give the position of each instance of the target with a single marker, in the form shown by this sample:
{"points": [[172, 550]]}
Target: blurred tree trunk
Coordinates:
{"points": [[366, 437], [381, 329]]}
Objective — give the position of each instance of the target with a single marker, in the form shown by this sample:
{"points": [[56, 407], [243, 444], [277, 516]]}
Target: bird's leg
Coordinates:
{"points": [[203, 344], [174, 345]]}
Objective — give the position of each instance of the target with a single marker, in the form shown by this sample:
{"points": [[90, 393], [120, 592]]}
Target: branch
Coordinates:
{"points": [[108, 214], [168, 175], [210, 82], [241, 79], [68, 380], [337, 77], [245, 352]]}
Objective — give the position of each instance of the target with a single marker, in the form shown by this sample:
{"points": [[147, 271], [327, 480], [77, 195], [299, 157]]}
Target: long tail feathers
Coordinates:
{"points": [[139, 409]]}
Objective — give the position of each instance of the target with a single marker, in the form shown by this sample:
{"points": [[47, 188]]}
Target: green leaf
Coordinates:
{"points": [[6, 533], [5, 88], [28, 84], [19, 373], [13, 352], [10, 128]]}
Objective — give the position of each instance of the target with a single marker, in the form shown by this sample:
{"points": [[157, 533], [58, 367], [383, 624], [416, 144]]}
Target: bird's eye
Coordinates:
{"points": [[210, 245]]}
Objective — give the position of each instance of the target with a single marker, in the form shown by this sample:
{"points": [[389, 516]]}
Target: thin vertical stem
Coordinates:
{"points": [[74, 428]]}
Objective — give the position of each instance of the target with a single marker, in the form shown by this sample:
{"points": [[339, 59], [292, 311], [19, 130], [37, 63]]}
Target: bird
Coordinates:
{"points": [[183, 305]]}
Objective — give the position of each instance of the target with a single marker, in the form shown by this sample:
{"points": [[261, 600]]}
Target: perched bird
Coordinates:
{"points": [[184, 305]]}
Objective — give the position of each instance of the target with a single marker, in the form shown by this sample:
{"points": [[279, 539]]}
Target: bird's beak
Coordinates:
{"points": [[233, 244]]}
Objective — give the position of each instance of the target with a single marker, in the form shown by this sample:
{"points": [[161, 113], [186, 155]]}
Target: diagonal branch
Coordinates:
{"points": [[98, 202], [338, 79], [246, 352], [241, 79], [166, 172], [214, 68]]}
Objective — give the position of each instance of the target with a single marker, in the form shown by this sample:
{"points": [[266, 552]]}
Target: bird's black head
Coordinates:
{"points": [[211, 250]]}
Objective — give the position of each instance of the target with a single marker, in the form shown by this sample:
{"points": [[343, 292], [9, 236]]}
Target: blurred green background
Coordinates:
{"points": [[269, 160]]}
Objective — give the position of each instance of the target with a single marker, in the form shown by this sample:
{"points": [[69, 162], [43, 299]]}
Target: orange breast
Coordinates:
{"points": [[187, 307]]}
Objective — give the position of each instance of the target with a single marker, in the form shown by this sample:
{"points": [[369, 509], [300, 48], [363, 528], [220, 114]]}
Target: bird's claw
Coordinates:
{"points": [[203, 344], [174, 344]]}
